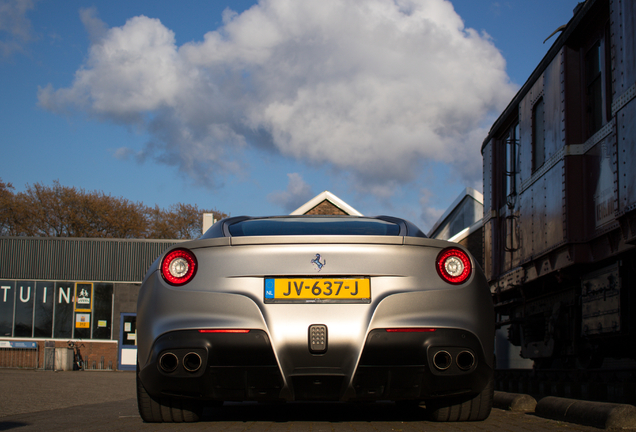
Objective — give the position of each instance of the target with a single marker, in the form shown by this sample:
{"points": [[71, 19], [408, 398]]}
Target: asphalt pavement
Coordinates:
{"points": [[105, 401]]}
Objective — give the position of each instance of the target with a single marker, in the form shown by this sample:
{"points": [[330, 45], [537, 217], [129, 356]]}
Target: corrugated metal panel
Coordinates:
{"points": [[112, 260]]}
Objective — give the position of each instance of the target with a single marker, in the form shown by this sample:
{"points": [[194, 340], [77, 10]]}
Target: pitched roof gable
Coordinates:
{"points": [[326, 203]]}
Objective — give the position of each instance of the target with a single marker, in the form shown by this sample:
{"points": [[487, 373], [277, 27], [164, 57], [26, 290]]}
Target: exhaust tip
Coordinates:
{"points": [[465, 360], [442, 360], [168, 362], [192, 362]]}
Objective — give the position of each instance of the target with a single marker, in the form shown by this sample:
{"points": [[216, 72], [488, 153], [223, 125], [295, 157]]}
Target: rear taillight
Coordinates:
{"points": [[224, 331], [410, 330], [179, 267], [453, 265]]}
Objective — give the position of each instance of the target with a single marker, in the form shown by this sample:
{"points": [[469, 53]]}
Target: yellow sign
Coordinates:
{"points": [[82, 320], [83, 297], [318, 288]]}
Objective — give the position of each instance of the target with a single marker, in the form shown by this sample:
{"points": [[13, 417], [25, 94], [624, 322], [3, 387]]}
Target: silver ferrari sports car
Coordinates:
{"points": [[315, 308]]}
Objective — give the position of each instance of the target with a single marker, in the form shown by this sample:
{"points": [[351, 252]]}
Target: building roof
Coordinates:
{"points": [[79, 259], [326, 203], [465, 199]]}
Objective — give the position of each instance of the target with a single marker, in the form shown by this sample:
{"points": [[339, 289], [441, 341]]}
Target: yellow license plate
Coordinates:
{"points": [[345, 289]]}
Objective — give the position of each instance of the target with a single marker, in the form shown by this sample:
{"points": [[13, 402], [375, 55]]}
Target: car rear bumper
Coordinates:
{"points": [[421, 365], [243, 367]]}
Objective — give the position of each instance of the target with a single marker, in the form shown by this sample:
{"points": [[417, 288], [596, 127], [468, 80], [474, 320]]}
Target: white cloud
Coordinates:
{"points": [[131, 71], [430, 214], [15, 27], [122, 153], [370, 87], [95, 27], [298, 193]]}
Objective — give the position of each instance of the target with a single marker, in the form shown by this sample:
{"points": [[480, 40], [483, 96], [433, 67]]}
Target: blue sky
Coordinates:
{"points": [[254, 108]]}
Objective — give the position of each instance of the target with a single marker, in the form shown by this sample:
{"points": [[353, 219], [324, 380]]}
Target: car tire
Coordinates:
{"points": [[453, 410], [166, 409]]}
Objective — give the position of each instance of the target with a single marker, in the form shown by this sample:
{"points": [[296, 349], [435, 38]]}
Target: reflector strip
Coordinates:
{"points": [[410, 330], [223, 331]]}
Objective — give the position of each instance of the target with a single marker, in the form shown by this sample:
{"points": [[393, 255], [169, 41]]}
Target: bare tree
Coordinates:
{"points": [[8, 212], [61, 211]]}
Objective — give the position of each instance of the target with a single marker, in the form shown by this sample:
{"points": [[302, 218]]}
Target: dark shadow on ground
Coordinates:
{"points": [[317, 411], [8, 425]]}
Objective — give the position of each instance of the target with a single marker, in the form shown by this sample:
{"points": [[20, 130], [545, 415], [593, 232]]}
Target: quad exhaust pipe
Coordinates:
{"points": [[192, 362], [442, 360], [169, 362], [465, 360]]}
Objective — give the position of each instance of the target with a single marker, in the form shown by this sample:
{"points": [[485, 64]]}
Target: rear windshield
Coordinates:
{"points": [[313, 226]]}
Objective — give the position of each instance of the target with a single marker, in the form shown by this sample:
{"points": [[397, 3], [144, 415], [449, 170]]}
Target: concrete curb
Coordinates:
{"points": [[514, 401], [598, 414]]}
